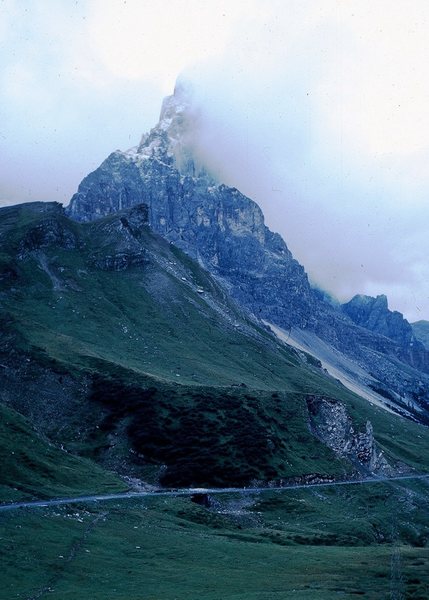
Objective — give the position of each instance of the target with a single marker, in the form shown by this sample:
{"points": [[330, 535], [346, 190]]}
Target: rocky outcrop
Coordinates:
{"points": [[50, 232], [331, 424], [374, 314], [215, 224], [120, 247], [421, 331]]}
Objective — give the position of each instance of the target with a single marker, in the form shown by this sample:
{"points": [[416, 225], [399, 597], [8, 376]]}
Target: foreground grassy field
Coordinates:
{"points": [[310, 544]]}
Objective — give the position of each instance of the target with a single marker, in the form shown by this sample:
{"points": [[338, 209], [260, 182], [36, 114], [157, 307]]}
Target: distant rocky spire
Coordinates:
{"points": [[178, 105], [173, 136]]}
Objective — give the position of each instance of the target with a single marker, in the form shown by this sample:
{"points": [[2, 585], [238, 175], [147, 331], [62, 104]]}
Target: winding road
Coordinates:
{"points": [[211, 491]]}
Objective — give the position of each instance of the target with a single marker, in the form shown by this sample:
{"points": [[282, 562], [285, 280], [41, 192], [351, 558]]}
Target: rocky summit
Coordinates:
{"points": [[225, 232], [374, 315], [216, 224]]}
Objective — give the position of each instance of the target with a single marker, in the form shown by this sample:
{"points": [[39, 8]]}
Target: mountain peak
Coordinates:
{"points": [[374, 314], [171, 140], [363, 300], [176, 106]]}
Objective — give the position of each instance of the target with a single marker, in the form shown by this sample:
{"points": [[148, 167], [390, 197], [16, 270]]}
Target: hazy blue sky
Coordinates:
{"points": [[319, 110]]}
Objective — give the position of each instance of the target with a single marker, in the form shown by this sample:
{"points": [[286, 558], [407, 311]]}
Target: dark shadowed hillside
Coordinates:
{"points": [[124, 350]]}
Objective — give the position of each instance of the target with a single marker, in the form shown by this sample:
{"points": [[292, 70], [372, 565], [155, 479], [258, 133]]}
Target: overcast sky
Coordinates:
{"points": [[319, 110]]}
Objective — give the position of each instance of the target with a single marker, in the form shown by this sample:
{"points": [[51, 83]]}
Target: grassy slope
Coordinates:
{"points": [[148, 328]]}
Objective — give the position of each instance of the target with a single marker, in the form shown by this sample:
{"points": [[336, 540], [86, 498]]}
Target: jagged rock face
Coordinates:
{"points": [[374, 314], [112, 187], [330, 422]]}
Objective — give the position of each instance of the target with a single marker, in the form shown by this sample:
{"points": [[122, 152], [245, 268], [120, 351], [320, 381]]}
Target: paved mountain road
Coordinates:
{"points": [[192, 491]]}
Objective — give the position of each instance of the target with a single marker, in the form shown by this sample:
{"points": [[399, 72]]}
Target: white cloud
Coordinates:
{"points": [[320, 115], [155, 41], [21, 86], [382, 82]]}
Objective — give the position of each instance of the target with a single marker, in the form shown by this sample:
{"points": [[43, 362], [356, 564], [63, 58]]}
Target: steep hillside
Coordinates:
{"points": [[120, 347], [113, 291]]}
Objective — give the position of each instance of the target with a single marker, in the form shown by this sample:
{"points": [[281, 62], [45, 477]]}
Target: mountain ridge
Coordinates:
{"points": [[226, 233], [145, 365]]}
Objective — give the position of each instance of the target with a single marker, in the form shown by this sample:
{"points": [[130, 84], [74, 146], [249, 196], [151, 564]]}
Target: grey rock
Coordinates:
{"points": [[331, 424], [121, 236], [374, 314], [421, 331]]}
